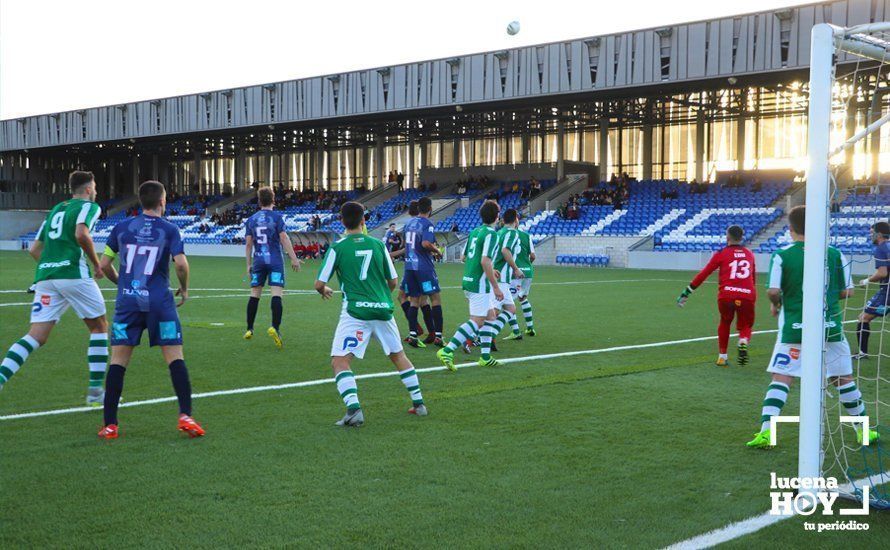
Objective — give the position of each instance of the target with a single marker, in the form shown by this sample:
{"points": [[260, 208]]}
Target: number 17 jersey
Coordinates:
{"points": [[145, 245]]}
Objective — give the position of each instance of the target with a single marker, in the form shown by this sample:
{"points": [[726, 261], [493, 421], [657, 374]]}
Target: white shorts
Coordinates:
{"points": [[352, 336], [521, 287], [480, 304], [53, 297], [786, 359], [507, 289]]}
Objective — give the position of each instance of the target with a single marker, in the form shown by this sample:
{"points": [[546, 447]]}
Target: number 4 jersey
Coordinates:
{"points": [[62, 257], [737, 273], [145, 245]]}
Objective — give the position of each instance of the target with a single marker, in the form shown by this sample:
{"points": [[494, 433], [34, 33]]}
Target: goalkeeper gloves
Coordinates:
{"points": [[865, 282], [681, 300]]}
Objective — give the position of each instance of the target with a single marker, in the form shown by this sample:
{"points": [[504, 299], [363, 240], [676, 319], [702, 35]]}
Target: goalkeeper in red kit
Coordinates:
{"points": [[737, 293]]}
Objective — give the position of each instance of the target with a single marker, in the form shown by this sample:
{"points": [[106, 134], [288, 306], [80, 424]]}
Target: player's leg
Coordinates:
{"points": [[253, 302], [489, 330], [727, 314], [508, 312], [413, 325], [438, 319], [863, 331], [876, 307], [277, 305], [350, 340], [387, 333], [479, 305], [47, 309], [87, 302], [182, 386], [427, 311], [22, 348], [121, 352], [784, 368], [839, 370], [527, 314], [97, 359], [744, 324]]}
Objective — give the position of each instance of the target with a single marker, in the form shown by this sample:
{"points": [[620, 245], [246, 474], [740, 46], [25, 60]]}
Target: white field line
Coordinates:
{"points": [[244, 291], [306, 383], [756, 523]]}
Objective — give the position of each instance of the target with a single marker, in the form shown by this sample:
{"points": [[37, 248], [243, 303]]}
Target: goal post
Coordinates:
{"points": [[870, 50]]}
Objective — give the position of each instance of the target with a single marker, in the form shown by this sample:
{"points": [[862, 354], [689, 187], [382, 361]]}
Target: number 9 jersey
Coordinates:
{"points": [[145, 245], [737, 273]]}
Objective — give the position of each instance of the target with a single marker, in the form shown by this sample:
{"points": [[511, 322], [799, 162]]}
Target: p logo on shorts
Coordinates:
{"points": [[350, 342], [781, 360]]}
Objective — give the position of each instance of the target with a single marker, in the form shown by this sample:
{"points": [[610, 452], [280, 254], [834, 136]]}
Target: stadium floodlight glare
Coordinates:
{"points": [[870, 48]]}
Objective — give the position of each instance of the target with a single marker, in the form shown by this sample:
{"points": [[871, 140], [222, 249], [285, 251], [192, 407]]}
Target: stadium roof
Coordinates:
{"points": [[465, 93]]}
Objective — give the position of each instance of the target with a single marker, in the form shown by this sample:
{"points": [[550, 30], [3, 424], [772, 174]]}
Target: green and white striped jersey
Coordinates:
{"points": [[482, 243], [523, 260], [786, 273], [364, 269], [508, 238], [62, 257]]}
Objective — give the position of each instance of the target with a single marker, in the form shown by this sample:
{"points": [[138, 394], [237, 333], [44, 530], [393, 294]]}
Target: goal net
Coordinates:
{"points": [[846, 196]]}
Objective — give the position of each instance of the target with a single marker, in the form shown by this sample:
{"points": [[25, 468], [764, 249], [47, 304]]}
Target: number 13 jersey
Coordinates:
{"points": [[737, 273]]}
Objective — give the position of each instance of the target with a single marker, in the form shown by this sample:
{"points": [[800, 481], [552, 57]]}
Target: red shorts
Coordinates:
{"points": [[741, 310]]}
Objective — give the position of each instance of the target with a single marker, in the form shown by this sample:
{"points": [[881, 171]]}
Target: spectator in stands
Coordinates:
{"points": [[461, 188], [455, 228], [757, 187], [433, 187], [400, 179]]}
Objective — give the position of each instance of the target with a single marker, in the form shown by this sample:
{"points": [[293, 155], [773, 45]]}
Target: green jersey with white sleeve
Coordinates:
{"points": [[62, 257], [364, 269]]}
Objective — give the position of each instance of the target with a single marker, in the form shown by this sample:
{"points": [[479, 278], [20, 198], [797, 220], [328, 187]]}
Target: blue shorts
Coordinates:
{"points": [[418, 283], [162, 323], [274, 273], [878, 304]]}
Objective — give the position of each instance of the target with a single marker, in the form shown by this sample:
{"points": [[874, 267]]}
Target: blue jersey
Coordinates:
{"points": [[264, 227], [417, 258], [882, 259], [145, 245]]}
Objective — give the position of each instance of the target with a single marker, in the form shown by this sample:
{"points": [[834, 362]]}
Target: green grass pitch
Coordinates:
{"points": [[636, 448]]}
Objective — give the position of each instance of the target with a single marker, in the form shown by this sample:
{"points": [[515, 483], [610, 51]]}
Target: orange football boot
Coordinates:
{"points": [[188, 425], [108, 432]]}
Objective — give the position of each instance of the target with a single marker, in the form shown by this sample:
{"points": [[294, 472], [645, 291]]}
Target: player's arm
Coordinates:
{"points": [[289, 248], [181, 265], [106, 264], [325, 274], [397, 253], [706, 271], [488, 266], [511, 261], [880, 273], [774, 290], [531, 250], [392, 276], [85, 241], [248, 251], [846, 272], [35, 250]]}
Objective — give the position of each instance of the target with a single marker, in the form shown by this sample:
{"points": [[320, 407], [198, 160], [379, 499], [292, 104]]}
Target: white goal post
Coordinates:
{"points": [[828, 43]]}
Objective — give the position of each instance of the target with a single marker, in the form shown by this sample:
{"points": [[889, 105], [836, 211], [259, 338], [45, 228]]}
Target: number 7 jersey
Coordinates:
{"points": [[145, 245], [737, 273]]}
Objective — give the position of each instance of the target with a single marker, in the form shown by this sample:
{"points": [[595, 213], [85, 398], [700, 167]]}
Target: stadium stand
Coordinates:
{"points": [[382, 212], [468, 217], [850, 222], [679, 217]]}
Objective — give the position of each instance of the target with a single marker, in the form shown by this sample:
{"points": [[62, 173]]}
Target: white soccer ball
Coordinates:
{"points": [[513, 28]]}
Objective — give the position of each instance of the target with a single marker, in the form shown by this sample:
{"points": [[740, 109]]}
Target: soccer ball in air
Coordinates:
{"points": [[513, 28]]}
